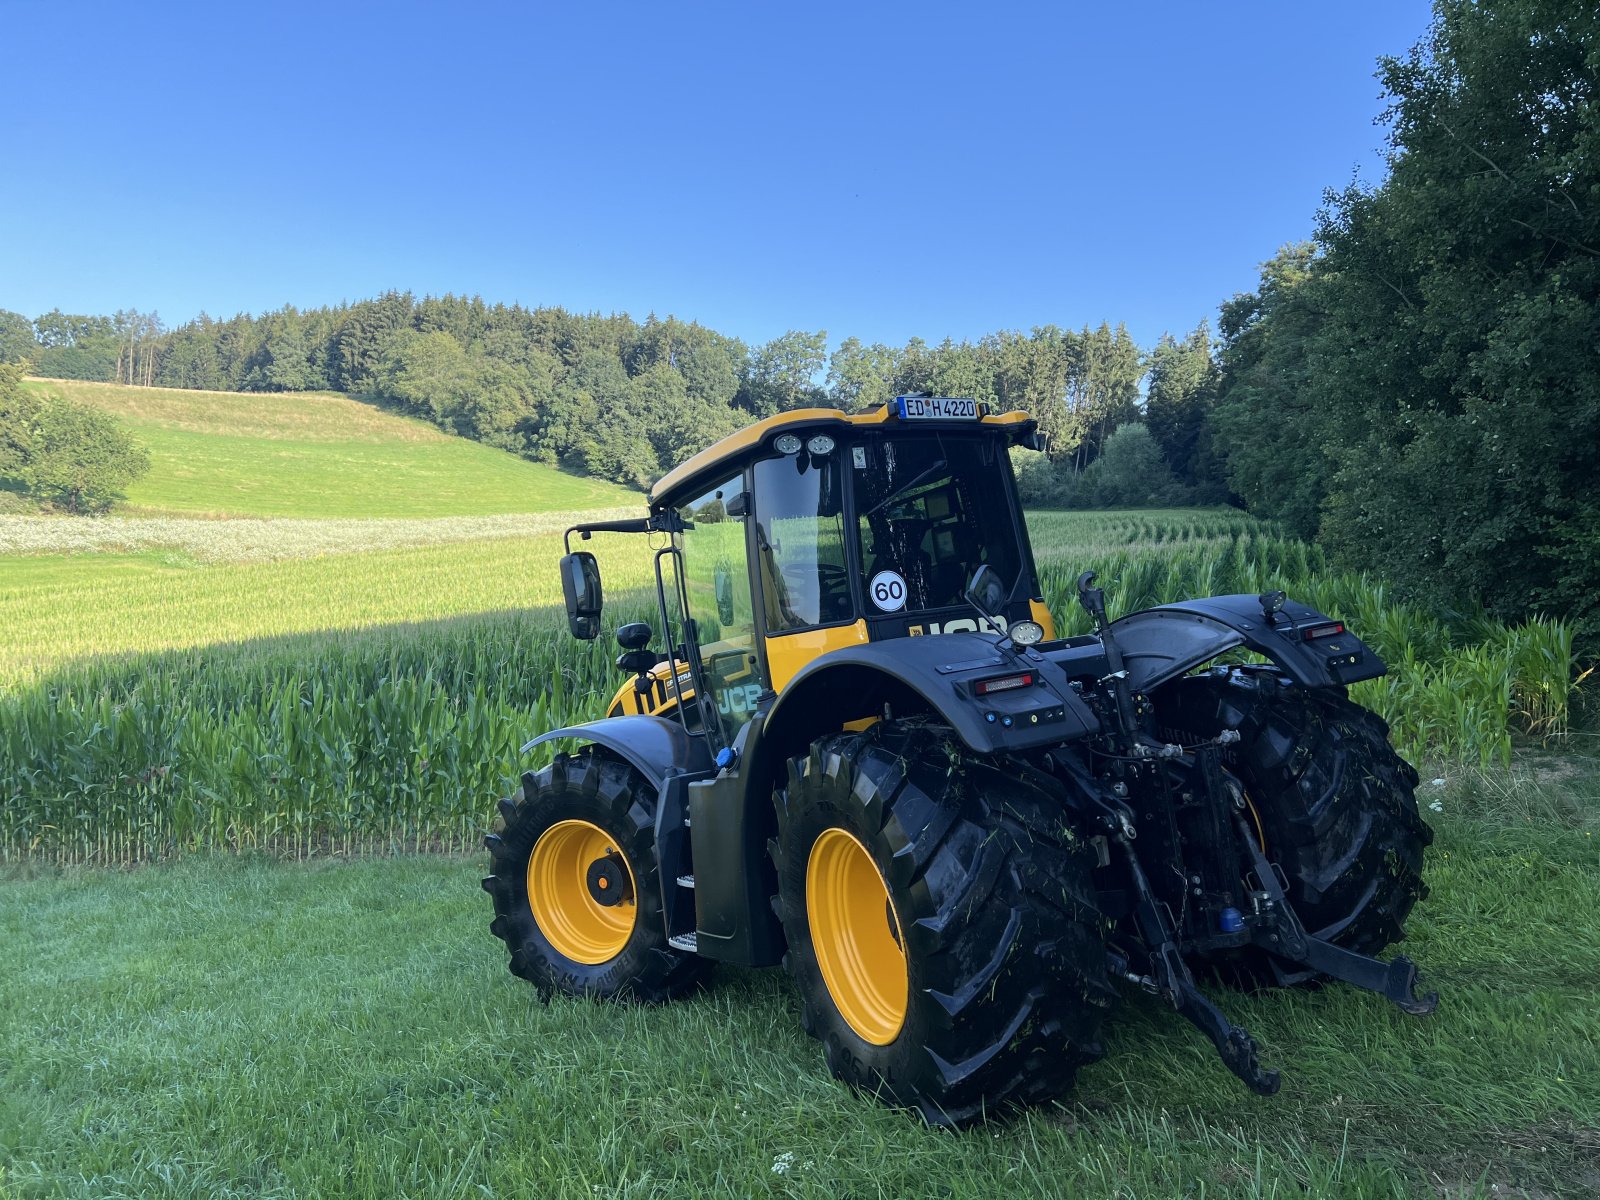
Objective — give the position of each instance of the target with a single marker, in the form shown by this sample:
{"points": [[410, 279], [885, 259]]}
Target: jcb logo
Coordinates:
{"points": [[738, 701], [959, 625]]}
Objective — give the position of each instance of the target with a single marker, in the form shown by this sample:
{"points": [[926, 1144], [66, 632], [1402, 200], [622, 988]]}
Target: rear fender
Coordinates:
{"points": [[1170, 640], [930, 675]]}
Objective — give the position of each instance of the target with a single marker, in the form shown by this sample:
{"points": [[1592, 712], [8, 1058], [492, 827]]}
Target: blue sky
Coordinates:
{"points": [[877, 170]]}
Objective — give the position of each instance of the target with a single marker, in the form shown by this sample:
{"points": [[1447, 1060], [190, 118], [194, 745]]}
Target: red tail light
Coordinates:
{"points": [[1312, 632], [1004, 683]]}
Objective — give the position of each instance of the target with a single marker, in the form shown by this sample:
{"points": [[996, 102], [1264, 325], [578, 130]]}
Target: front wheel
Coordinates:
{"points": [[576, 890], [941, 924]]}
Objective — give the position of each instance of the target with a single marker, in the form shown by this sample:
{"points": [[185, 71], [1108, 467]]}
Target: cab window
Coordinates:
{"points": [[717, 582], [930, 511], [800, 539]]}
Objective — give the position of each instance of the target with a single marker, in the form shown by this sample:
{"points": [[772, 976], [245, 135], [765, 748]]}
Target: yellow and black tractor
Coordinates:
{"points": [[864, 754]]}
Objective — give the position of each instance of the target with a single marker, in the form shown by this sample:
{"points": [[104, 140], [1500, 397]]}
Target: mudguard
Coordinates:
{"points": [[1162, 643], [855, 682], [656, 746]]}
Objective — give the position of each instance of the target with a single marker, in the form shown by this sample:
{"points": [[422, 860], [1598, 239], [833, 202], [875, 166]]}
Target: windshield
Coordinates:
{"points": [[932, 510]]}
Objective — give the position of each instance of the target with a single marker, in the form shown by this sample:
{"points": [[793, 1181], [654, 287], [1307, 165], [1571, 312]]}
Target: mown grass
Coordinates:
{"points": [[320, 455], [222, 1027]]}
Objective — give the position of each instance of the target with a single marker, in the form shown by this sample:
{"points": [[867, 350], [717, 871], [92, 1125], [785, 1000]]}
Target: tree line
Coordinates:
{"points": [[603, 394], [1418, 387]]}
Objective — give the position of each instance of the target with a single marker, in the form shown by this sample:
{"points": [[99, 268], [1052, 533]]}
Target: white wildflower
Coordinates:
{"points": [[781, 1164], [1438, 783], [1436, 806], [266, 539]]}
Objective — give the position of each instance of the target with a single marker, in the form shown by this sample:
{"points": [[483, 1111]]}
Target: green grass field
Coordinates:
{"points": [[320, 455], [295, 1002], [243, 1026]]}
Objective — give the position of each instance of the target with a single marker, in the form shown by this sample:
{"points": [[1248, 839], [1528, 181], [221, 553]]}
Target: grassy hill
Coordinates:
{"points": [[319, 454]]}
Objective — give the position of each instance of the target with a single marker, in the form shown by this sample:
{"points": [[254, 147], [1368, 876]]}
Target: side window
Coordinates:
{"points": [[716, 578], [800, 538]]}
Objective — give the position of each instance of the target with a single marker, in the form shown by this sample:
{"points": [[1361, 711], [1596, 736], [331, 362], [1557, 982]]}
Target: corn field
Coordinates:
{"points": [[363, 702]]}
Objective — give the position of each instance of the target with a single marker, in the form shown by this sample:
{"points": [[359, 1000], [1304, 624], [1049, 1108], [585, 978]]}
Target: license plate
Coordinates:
{"points": [[936, 408]]}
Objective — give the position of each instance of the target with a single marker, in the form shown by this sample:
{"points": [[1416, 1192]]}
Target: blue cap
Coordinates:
{"points": [[725, 758], [1230, 920]]}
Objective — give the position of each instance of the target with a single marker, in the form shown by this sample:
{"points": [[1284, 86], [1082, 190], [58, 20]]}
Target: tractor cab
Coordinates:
{"points": [[813, 531]]}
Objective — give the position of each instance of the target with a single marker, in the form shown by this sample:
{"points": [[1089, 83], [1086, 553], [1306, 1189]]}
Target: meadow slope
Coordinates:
{"points": [[320, 454]]}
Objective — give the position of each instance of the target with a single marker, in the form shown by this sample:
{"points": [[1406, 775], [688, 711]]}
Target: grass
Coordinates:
{"points": [[320, 455], [226, 1026], [230, 1024]]}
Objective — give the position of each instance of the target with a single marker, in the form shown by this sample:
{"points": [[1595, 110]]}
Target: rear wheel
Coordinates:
{"points": [[576, 890], [941, 924], [1336, 805]]}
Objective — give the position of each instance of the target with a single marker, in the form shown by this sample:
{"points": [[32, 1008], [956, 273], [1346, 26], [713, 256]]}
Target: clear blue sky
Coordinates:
{"points": [[877, 170]]}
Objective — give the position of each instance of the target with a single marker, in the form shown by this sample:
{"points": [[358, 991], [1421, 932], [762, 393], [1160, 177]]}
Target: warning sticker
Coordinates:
{"points": [[888, 591]]}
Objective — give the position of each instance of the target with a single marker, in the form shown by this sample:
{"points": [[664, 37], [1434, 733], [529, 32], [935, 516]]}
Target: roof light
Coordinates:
{"points": [[1003, 683], [787, 443], [821, 444]]}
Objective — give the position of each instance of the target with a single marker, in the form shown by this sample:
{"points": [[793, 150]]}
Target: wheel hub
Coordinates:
{"points": [[608, 880], [581, 892]]}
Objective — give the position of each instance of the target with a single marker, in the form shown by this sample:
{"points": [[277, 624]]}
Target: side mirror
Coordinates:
{"points": [[580, 581], [724, 586], [986, 591]]}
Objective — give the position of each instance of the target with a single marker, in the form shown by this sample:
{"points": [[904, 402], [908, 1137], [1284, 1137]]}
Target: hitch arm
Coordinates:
{"points": [[1235, 1046], [1284, 936]]}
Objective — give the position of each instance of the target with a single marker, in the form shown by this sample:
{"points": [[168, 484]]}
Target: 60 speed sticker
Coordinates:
{"points": [[888, 591]]}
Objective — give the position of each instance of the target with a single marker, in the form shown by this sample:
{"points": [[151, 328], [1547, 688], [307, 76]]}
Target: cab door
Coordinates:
{"points": [[716, 584]]}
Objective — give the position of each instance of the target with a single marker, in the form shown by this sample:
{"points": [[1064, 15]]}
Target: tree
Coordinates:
{"points": [[1425, 391], [1102, 390], [1179, 395], [19, 420], [862, 377], [1130, 472], [73, 456], [17, 343], [1276, 435], [782, 374], [282, 361], [74, 346]]}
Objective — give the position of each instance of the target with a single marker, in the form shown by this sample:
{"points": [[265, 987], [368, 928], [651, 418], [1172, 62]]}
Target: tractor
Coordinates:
{"points": [[863, 753]]}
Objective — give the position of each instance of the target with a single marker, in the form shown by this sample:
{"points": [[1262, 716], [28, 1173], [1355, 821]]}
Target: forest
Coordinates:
{"points": [[1417, 388]]}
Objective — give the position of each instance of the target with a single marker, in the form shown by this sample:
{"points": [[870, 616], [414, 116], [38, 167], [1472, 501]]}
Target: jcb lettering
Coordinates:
{"points": [[965, 625]]}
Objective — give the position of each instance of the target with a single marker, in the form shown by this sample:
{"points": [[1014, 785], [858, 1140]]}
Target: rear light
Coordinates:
{"points": [[1312, 632], [1004, 683]]}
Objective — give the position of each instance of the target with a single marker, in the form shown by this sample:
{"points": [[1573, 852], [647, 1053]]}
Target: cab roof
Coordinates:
{"points": [[731, 451]]}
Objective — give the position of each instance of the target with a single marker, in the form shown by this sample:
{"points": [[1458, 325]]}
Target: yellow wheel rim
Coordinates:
{"points": [[856, 935], [577, 924]]}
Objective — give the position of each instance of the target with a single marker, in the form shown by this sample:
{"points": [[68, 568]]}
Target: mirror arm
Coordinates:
{"points": [[636, 525]]}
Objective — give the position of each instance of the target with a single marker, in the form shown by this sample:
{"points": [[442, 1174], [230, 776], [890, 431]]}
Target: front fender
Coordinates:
{"points": [[656, 746], [1162, 643]]}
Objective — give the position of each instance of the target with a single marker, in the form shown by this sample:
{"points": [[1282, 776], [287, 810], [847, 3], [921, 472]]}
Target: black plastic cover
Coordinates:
{"points": [[1162, 643], [854, 682]]}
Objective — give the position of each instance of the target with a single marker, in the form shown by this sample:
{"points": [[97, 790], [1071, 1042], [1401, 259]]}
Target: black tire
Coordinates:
{"points": [[597, 791], [1336, 804], [1004, 946]]}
